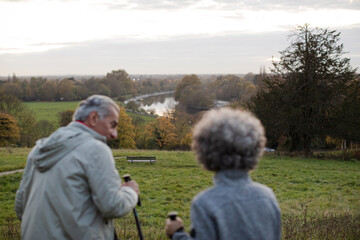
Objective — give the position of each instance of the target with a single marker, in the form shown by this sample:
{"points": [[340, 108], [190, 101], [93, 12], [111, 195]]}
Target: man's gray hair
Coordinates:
{"points": [[228, 139], [100, 104]]}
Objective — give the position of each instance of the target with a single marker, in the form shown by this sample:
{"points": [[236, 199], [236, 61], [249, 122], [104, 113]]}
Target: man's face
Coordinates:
{"points": [[107, 126]]}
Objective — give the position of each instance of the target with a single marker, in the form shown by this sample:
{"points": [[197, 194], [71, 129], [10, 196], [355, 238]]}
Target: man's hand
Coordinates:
{"points": [[172, 226], [133, 185]]}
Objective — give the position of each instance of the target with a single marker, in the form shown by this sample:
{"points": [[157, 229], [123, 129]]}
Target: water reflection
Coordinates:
{"points": [[163, 103], [159, 105]]}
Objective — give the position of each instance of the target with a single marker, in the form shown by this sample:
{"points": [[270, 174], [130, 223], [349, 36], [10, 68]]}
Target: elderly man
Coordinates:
{"points": [[71, 188], [230, 143]]}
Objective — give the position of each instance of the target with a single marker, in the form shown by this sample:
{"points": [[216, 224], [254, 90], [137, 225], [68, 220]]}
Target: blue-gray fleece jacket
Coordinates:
{"points": [[234, 208], [70, 188]]}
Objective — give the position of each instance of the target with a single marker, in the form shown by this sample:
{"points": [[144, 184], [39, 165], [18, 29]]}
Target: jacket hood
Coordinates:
{"points": [[52, 149]]}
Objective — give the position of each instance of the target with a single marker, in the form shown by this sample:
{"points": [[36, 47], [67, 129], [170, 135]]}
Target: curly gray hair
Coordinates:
{"points": [[228, 139], [100, 104]]}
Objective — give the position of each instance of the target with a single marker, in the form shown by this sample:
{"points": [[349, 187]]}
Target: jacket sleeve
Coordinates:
{"points": [[20, 198], [202, 225], [109, 197]]}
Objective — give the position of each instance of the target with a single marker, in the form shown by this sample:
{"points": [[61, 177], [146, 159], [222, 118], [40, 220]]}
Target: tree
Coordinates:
{"points": [[12, 89], [188, 82], [163, 132], [139, 129], [133, 106], [35, 85], [185, 143], [27, 94], [66, 90], [65, 117], [96, 86], [183, 122], [126, 131], [48, 91], [26, 119], [233, 88], [9, 131], [345, 124], [120, 83], [192, 96], [81, 92], [44, 128], [306, 89]]}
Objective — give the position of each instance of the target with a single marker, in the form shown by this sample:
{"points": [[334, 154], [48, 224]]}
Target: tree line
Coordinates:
{"points": [[116, 84]]}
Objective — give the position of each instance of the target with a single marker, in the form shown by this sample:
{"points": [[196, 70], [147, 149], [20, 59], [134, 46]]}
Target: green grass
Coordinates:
{"points": [[13, 158], [50, 110], [321, 185], [144, 117], [325, 193], [8, 186]]}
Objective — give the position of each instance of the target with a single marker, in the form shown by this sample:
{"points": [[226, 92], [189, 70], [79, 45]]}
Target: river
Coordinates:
{"points": [[159, 103], [162, 102]]}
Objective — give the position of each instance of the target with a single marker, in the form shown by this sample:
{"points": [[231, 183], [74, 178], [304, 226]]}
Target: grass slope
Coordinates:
{"points": [[318, 198], [50, 110], [13, 158]]}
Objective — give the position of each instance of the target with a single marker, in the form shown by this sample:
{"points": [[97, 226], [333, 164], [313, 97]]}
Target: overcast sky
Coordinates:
{"points": [[39, 37]]}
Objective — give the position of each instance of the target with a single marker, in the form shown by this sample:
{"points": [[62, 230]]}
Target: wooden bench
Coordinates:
{"points": [[141, 159]]}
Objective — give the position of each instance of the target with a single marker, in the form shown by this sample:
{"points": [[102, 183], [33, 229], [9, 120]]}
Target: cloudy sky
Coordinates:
{"points": [[39, 37]]}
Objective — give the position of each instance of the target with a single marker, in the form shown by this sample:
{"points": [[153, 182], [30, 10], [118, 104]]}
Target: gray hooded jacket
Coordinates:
{"points": [[235, 208], [70, 188]]}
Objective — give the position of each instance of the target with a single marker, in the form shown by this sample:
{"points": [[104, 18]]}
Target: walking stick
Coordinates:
{"points": [[127, 179]]}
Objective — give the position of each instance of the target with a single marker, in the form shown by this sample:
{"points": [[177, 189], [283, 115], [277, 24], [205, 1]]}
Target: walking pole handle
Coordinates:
{"points": [[172, 215], [127, 178]]}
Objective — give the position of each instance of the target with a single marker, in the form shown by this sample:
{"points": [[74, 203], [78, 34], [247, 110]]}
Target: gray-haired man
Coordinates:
{"points": [[70, 188]]}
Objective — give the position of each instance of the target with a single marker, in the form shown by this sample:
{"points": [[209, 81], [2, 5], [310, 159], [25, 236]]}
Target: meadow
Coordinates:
{"points": [[319, 199], [50, 111]]}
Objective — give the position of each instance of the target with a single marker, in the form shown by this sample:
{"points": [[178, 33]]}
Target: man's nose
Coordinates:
{"points": [[114, 134]]}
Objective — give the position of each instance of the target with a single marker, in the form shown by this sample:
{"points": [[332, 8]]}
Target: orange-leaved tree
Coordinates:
{"points": [[185, 143], [25, 118], [163, 131], [9, 131], [126, 131]]}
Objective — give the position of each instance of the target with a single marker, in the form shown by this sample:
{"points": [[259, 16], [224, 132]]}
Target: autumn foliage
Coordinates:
{"points": [[9, 131], [126, 131], [162, 131]]}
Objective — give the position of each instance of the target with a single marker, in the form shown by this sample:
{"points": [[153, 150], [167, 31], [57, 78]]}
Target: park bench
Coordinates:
{"points": [[141, 159]]}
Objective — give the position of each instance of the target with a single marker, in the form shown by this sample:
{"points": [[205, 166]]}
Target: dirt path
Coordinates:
{"points": [[11, 172]]}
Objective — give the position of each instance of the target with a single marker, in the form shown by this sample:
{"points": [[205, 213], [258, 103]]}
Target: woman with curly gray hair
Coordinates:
{"points": [[230, 142]]}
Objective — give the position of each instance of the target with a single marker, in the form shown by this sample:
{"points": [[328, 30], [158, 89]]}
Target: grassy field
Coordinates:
{"points": [[50, 110], [145, 118], [319, 199], [13, 158]]}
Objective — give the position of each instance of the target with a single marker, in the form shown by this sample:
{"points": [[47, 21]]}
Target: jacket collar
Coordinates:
{"points": [[231, 177], [88, 130]]}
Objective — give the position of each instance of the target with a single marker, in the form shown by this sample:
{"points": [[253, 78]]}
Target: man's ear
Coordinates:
{"points": [[92, 119]]}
